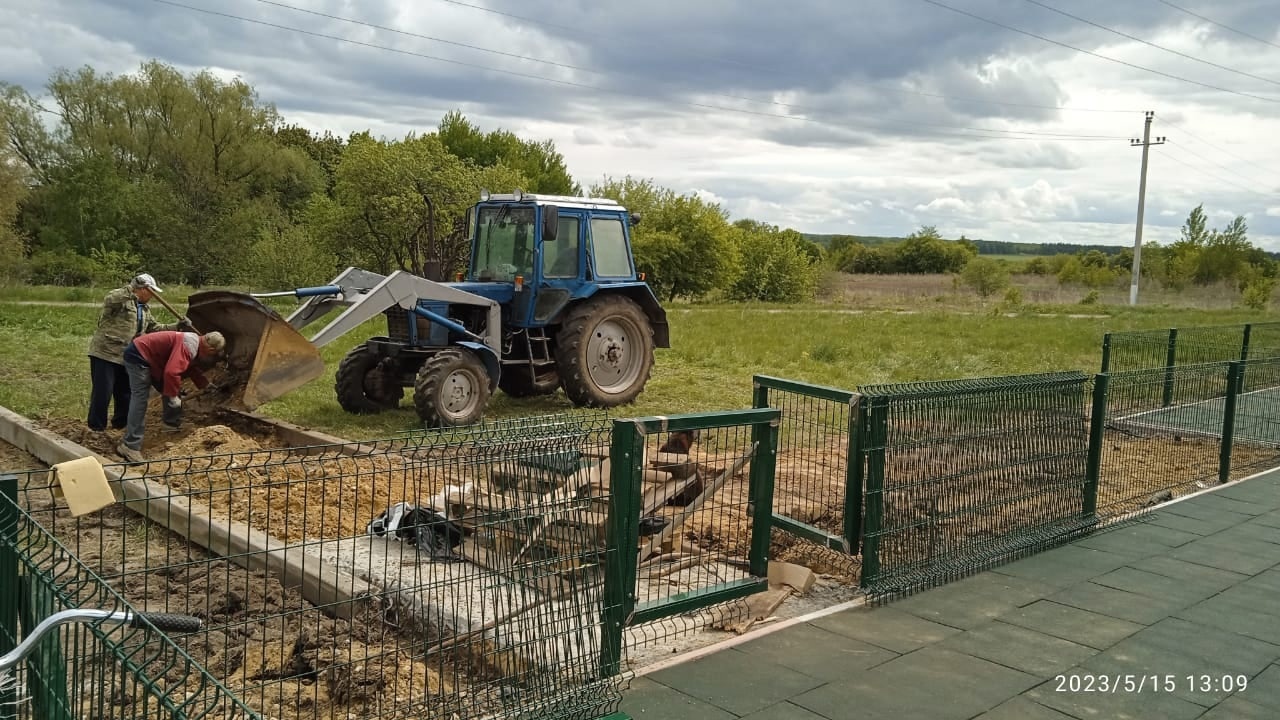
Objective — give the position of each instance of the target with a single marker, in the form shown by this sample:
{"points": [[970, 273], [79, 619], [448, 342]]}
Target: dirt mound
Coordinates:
{"points": [[210, 440]]}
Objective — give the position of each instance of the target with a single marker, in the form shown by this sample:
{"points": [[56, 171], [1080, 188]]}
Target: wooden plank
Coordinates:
{"points": [[711, 489], [333, 591]]}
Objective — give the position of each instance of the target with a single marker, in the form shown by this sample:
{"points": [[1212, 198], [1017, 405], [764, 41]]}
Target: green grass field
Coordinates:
{"points": [[716, 349]]}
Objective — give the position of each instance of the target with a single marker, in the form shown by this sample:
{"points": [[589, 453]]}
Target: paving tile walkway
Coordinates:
{"points": [[1175, 617]]}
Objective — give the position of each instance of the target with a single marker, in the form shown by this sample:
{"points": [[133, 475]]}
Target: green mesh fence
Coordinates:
{"points": [[324, 596], [963, 474], [90, 671], [1145, 349], [817, 498]]}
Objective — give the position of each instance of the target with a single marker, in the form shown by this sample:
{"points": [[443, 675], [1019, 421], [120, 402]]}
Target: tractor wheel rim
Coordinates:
{"points": [[458, 393], [613, 359]]}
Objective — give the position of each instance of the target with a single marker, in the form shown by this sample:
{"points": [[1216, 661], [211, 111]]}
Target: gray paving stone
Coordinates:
{"points": [[816, 652], [734, 681], [649, 700], [886, 627], [975, 600], [1072, 624], [930, 683], [1019, 648]]}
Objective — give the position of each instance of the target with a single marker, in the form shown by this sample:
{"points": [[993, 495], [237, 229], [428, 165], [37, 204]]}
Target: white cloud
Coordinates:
{"points": [[864, 152]]}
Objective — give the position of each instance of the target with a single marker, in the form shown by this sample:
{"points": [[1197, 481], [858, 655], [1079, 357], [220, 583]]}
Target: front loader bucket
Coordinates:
{"points": [[264, 353]]}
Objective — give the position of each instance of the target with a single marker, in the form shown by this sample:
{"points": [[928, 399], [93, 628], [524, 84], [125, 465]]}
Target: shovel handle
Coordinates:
{"points": [[169, 307]]}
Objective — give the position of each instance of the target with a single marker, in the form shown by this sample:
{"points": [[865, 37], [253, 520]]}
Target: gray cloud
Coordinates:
{"points": [[847, 67]]}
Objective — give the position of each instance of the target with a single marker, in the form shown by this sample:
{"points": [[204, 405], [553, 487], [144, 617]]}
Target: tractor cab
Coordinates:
{"points": [[539, 253]]}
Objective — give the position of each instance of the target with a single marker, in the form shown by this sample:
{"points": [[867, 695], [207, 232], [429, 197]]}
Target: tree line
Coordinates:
{"points": [[196, 179]]}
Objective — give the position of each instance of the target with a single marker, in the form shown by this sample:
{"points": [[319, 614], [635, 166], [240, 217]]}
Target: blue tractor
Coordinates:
{"points": [[550, 299]]}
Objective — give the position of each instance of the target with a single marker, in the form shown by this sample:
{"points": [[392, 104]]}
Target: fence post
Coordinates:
{"points": [[622, 530], [764, 444], [1244, 354], [1171, 359], [1106, 352], [878, 437], [1234, 375], [1093, 462], [759, 399], [9, 573], [853, 476]]}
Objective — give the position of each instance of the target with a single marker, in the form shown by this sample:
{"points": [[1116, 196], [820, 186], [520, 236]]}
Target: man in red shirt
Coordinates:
{"points": [[161, 360]]}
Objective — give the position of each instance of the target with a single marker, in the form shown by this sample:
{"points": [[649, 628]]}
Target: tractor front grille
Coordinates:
{"points": [[398, 325]]}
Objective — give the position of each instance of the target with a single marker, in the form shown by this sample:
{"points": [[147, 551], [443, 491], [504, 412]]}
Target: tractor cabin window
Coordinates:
{"points": [[560, 258], [610, 247], [504, 246]]}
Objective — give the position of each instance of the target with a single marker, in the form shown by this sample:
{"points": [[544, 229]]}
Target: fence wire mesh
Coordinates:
{"points": [[89, 670], [1144, 349], [1255, 428], [813, 484], [452, 574], [695, 531], [963, 474], [1162, 436]]}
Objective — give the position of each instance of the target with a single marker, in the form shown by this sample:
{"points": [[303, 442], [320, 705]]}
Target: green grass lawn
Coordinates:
{"points": [[716, 349]]}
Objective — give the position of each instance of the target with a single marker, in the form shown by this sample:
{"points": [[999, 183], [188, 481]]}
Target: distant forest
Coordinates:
{"points": [[995, 247]]}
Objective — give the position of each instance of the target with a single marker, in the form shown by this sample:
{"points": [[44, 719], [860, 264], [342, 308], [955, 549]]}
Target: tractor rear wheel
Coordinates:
{"points": [[452, 389], [517, 381], [364, 386], [604, 351]]}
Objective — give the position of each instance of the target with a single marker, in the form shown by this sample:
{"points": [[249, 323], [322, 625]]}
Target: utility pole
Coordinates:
{"points": [[1146, 144]]}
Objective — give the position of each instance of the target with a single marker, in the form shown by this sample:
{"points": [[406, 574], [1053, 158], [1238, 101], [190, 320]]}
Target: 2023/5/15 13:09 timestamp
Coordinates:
{"points": [[1156, 683]]}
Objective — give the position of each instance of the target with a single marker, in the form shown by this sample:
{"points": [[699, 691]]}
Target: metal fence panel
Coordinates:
{"points": [[86, 671], [482, 597], [701, 488], [818, 493], [962, 474]]}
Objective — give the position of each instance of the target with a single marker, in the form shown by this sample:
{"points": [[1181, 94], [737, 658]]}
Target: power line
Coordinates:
{"points": [[425, 37], [1097, 55], [956, 98], [1219, 148], [988, 133], [793, 106], [1151, 44], [1221, 166], [1224, 27], [1208, 174]]}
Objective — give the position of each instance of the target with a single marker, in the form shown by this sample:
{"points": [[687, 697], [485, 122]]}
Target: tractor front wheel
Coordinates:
{"points": [[452, 389], [604, 352], [364, 386]]}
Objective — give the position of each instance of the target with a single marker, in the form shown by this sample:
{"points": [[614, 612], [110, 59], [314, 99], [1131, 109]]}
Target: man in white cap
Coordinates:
{"points": [[161, 360], [124, 316]]}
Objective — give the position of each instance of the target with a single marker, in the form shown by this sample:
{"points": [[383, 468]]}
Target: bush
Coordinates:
{"points": [[1257, 293], [113, 267], [1090, 299], [61, 267], [775, 267], [286, 258], [986, 276]]}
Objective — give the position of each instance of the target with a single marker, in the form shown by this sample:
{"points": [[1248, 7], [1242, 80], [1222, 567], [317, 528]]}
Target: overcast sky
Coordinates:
{"points": [[898, 113]]}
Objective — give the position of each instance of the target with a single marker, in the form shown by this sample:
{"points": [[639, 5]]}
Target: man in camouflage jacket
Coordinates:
{"points": [[124, 316]]}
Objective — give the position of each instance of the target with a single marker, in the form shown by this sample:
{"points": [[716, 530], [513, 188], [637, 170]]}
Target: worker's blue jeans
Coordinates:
{"points": [[140, 385]]}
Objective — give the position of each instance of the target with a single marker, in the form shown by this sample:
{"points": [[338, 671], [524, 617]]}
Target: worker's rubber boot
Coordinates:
{"points": [[129, 454]]}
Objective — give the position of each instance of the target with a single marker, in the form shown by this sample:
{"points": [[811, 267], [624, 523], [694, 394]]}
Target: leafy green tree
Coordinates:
{"points": [[776, 264], [925, 252], [538, 161], [379, 215], [13, 190], [183, 169], [683, 243]]}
